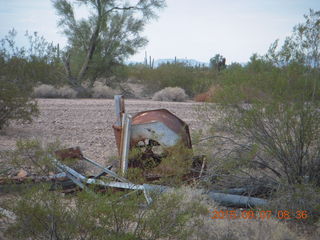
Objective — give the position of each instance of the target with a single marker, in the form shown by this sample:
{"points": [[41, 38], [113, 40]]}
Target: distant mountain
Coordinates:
{"points": [[189, 62]]}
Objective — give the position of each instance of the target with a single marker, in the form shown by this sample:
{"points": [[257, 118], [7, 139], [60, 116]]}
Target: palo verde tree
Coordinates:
{"points": [[302, 46], [109, 35]]}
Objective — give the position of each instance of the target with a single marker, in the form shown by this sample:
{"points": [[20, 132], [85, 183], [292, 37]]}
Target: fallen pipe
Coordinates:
{"points": [[230, 200], [221, 198]]}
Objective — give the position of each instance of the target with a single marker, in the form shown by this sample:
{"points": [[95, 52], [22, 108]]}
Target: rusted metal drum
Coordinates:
{"points": [[158, 125]]}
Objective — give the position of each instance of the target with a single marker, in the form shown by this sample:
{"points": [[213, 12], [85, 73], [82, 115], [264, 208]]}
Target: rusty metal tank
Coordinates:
{"points": [[159, 125]]}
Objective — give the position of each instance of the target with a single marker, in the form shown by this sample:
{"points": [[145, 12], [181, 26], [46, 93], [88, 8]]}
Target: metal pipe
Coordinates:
{"points": [[106, 170], [119, 105], [236, 200], [125, 142]]}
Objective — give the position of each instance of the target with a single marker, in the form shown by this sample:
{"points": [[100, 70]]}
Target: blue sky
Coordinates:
{"points": [[193, 29]]}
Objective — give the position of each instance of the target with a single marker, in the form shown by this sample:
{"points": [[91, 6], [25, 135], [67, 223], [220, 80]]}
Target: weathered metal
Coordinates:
{"points": [[106, 170], [158, 125], [230, 200], [146, 130], [82, 181], [161, 126], [125, 142], [221, 198], [119, 107]]}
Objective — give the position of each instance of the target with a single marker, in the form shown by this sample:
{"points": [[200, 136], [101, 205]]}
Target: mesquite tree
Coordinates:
{"points": [[109, 35]]}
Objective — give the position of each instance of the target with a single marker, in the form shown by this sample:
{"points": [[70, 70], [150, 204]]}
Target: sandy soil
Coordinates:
{"points": [[87, 123]]}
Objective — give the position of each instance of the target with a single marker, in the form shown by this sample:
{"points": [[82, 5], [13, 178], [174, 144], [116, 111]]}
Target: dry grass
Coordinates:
{"points": [[67, 92], [49, 91], [241, 229], [170, 94], [101, 91], [45, 91]]}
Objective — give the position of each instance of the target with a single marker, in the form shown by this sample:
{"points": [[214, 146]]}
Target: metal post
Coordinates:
{"points": [[125, 141], [119, 105]]}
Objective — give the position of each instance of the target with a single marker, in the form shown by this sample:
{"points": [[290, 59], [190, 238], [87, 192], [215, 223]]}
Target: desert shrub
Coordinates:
{"points": [[178, 214], [193, 79], [174, 94], [241, 229], [42, 214], [301, 201], [16, 82], [266, 132], [101, 91], [45, 91], [20, 69], [34, 156], [208, 95], [66, 92], [269, 110], [15, 103], [49, 91]]}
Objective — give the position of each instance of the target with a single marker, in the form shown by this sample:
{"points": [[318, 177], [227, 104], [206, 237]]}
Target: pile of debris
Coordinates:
{"points": [[156, 134]]}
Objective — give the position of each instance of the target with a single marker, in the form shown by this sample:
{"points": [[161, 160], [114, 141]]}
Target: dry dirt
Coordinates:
{"points": [[87, 123]]}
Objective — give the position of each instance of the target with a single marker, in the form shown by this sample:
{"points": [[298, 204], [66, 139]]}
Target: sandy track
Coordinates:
{"points": [[86, 123]]}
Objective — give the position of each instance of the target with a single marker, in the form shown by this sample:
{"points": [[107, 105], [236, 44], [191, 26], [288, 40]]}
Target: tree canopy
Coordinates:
{"points": [[303, 46], [106, 38]]}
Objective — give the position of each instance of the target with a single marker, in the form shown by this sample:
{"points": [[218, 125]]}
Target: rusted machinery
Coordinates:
{"points": [[153, 132]]}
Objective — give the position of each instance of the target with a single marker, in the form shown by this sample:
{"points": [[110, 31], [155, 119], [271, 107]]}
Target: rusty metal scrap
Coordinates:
{"points": [[146, 130], [161, 126], [150, 128], [158, 125]]}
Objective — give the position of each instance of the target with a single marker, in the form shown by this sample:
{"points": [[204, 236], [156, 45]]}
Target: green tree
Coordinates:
{"points": [[302, 46], [109, 35]]}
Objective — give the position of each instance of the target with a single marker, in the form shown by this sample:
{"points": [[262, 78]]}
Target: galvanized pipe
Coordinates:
{"points": [[125, 142], [106, 170], [119, 105]]}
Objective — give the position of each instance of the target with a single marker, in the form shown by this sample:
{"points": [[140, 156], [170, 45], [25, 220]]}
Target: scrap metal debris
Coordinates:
{"points": [[148, 131]]}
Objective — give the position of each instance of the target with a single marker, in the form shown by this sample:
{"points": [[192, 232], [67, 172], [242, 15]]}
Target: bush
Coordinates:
{"points": [[208, 95], [36, 158], [193, 79], [101, 91], [242, 229], [41, 214], [49, 91], [45, 91], [300, 200], [66, 92], [20, 68], [174, 94], [15, 103]]}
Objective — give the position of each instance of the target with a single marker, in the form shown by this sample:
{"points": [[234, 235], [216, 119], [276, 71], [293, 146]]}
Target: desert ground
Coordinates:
{"points": [[87, 123]]}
